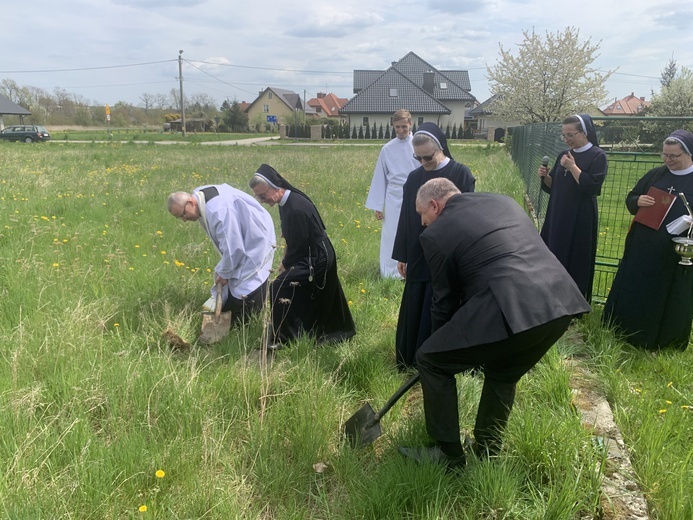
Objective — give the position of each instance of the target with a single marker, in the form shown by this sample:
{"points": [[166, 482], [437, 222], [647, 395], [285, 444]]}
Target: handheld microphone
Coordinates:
{"points": [[545, 161]]}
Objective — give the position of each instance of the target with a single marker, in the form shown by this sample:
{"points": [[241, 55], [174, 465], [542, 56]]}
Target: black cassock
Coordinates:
{"points": [[414, 322], [570, 227], [307, 297], [651, 298]]}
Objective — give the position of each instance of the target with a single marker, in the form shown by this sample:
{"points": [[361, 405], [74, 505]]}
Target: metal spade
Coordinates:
{"points": [[363, 427]]}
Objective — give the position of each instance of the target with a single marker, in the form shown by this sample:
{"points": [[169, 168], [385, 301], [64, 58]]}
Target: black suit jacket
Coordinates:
{"points": [[492, 274]]}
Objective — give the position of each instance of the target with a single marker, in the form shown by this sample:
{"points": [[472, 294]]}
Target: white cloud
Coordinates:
{"points": [[241, 49]]}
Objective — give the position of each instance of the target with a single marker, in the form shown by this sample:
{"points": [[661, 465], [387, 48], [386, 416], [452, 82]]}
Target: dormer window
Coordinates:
{"points": [[393, 92], [443, 85]]}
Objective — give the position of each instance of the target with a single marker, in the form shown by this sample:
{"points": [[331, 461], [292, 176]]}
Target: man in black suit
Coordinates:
{"points": [[501, 299]]}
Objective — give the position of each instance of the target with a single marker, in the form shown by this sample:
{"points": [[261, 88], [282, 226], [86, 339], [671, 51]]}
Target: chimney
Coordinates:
{"points": [[428, 81], [642, 98], [321, 95]]}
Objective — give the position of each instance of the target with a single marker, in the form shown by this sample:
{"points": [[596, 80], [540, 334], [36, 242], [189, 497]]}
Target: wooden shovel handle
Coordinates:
{"points": [[217, 307]]}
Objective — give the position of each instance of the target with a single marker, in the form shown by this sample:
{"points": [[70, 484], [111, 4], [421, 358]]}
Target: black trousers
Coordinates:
{"points": [[244, 308], [503, 363]]}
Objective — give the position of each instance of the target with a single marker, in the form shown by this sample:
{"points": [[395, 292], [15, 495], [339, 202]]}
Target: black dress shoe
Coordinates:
{"points": [[432, 455]]}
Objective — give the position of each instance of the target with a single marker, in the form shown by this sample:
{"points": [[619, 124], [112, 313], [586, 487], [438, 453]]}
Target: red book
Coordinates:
{"points": [[653, 216]]}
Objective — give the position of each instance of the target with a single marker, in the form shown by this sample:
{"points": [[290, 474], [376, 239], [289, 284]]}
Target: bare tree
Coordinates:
{"points": [[549, 78], [148, 101]]}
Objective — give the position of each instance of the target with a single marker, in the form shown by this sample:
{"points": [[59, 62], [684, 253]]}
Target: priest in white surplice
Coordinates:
{"points": [[394, 164], [243, 233]]}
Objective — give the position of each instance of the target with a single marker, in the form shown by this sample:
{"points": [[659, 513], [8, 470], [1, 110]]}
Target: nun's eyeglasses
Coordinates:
{"points": [[671, 156], [262, 197], [422, 158], [569, 136]]}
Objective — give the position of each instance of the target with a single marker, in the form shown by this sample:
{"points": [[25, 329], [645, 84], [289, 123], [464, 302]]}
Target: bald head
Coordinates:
{"points": [[432, 198], [183, 205]]}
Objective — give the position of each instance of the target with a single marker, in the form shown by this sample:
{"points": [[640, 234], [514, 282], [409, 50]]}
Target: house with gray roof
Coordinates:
{"points": [[490, 125], [439, 96], [10, 108]]}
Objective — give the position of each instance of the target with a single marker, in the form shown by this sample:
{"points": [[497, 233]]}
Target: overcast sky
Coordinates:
{"points": [[233, 49]]}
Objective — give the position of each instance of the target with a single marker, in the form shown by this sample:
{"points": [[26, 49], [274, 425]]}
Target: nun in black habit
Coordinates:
{"points": [[570, 227], [414, 322], [306, 297], [651, 298]]}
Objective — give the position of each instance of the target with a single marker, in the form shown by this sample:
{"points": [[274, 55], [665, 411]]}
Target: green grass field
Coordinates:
{"points": [[99, 418]]}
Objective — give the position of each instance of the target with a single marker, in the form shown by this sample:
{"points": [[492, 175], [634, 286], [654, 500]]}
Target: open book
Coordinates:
{"points": [[653, 216]]}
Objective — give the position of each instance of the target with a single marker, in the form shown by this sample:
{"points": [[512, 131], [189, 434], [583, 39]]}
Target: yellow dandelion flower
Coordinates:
{"points": [[142, 509], [137, 246], [160, 473], [669, 384], [350, 302], [56, 264], [43, 217], [165, 262], [668, 402], [55, 240], [662, 411], [159, 232], [116, 325], [363, 291], [163, 252], [131, 268], [178, 264]]}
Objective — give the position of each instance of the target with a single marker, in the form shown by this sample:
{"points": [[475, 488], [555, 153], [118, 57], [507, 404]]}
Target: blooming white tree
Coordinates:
{"points": [[548, 78]]}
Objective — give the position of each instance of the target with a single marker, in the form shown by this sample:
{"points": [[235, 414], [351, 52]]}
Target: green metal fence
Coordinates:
{"points": [[629, 159]]}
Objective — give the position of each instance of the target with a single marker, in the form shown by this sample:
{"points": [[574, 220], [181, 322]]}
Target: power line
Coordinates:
{"points": [[83, 68], [270, 68]]}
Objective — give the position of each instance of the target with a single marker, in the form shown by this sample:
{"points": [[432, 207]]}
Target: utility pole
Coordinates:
{"points": [[182, 99]]}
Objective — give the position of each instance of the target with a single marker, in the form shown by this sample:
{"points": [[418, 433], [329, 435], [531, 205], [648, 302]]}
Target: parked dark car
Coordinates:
{"points": [[26, 133]]}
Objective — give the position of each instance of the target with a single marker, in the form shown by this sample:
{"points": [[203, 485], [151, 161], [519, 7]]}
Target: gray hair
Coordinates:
{"points": [[422, 138], [673, 140], [178, 199], [257, 180], [437, 189]]}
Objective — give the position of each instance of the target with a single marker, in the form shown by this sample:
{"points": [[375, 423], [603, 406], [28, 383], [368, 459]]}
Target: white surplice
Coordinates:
{"points": [[243, 233], [395, 162]]}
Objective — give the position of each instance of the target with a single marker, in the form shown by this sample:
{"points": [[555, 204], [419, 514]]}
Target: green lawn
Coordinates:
{"points": [[93, 401]]}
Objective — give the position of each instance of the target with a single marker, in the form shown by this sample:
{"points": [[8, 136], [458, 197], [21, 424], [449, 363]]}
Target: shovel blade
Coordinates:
{"points": [[215, 328], [362, 428]]}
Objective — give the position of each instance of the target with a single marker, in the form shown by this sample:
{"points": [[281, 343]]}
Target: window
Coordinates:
{"points": [[269, 95], [443, 85], [419, 121], [265, 108], [318, 109], [365, 121], [393, 92]]}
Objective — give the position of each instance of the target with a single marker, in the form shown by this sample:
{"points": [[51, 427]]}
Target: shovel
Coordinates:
{"points": [[363, 427], [215, 325]]}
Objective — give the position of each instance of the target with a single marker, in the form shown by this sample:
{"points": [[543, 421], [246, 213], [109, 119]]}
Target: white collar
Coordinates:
{"points": [[284, 197], [583, 148], [685, 171], [443, 163]]}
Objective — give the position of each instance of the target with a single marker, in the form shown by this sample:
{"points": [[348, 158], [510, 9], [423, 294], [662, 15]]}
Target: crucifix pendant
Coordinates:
{"points": [[670, 189]]}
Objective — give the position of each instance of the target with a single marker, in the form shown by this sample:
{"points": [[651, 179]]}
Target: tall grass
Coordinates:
{"points": [[93, 401]]}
